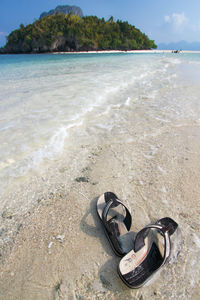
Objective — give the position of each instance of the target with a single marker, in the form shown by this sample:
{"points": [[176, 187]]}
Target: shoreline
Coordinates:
{"points": [[128, 51], [112, 52]]}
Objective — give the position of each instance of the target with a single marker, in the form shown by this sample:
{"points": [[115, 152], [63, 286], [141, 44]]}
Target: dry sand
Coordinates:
{"points": [[60, 251]]}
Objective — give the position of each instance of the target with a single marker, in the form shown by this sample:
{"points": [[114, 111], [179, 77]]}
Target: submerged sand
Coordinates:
{"points": [[59, 250]]}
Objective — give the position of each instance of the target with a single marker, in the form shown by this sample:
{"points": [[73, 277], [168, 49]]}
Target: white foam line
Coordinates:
{"points": [[55, 146], [108, 109]]}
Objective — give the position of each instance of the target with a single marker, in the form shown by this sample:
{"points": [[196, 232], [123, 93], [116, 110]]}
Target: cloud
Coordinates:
{"points": [[177, 20], [175, 27]]}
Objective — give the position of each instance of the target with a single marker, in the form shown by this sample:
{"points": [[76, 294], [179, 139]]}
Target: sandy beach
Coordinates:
{"points": [[153, 51], [59, 250]]}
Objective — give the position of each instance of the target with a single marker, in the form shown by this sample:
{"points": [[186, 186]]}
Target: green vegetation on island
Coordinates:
{"points": [[62, 32]]}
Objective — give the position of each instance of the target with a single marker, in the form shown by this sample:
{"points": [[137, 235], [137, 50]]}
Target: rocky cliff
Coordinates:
{"points": [[65, 9]]}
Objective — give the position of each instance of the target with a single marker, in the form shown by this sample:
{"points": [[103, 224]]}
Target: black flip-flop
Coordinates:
{"points": [[152, 249], [116, 220]]}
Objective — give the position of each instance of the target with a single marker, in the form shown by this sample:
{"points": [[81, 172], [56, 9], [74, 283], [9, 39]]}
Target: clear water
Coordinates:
{"points": [[49, 103]]}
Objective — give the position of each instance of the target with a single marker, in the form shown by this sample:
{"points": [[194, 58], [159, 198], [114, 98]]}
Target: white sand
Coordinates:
{"points": [[61, 252], [128, 51]]}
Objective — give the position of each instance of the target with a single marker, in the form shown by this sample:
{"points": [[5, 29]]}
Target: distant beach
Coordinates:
{"points": [[129, 51]]}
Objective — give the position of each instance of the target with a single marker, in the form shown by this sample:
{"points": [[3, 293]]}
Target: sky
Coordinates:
{"points": [[162, 20]]}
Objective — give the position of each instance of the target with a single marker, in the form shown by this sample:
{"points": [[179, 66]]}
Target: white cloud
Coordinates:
{"points": [[177, 20], [177, 26], [2, 33]]}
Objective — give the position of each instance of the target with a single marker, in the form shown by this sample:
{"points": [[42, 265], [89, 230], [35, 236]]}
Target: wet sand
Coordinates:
{"points": [[59, 250]]}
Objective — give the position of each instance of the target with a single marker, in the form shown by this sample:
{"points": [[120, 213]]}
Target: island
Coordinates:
{"points": [[70, 32]]}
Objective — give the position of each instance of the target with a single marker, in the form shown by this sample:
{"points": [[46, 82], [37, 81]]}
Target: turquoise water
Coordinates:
{"points": [[53, 102]]}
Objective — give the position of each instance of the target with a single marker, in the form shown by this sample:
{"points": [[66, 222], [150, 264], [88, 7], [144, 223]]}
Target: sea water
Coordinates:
{"points": [[53, 102]]}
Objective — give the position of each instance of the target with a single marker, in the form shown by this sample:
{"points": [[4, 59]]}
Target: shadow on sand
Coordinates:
{"points": [[108, 272]]}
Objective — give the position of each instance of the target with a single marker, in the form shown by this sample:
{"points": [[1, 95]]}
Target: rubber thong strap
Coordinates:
{"points": [[163, 230], [112, 201], [168, 222]]}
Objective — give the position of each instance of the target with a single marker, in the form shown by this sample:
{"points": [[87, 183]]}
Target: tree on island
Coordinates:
{"points": [[62, 32]]}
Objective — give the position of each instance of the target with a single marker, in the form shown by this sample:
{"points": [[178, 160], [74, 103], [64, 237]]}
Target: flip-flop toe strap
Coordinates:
{"points": [[163, 230], [112, 202]]}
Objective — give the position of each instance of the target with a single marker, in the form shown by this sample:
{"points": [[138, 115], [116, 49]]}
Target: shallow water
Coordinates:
{"points": [[56, 102]]}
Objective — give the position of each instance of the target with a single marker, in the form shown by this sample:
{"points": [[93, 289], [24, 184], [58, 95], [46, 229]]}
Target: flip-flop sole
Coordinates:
{"points": [[137, 268]]}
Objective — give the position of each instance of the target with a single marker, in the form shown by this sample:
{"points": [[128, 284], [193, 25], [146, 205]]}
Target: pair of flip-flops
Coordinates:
{"points": [[142, 254]]}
